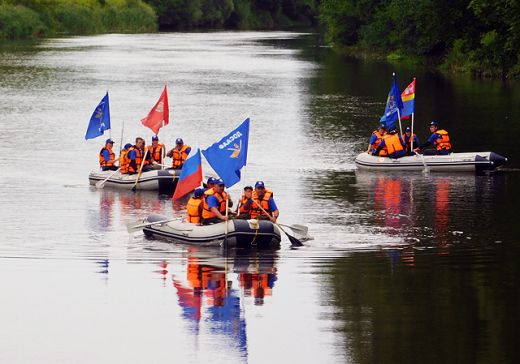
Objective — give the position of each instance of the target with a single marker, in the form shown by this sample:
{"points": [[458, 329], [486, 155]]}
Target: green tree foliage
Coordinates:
{"points": [[481, 36]]}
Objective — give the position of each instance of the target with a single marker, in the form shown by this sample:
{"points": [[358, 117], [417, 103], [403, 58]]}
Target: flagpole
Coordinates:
{"points": [[399, 117], [411, 138], [121, 144]]}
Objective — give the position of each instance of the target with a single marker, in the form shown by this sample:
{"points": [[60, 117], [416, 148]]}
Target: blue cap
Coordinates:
{"points": [[109, 141], [127, 145], [218, 182], [154, 138], [179, 141], [382, 126], [259, 184], [434, 123], [408, 128], [211, 181], [198, 192]]}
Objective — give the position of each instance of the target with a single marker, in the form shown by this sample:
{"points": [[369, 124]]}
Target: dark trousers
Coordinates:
{"points": [[109, 168], [213, 220]]}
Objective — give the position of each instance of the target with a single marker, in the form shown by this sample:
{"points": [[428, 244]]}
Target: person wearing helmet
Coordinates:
{"points": [[376, 138], [245, 203], [194, 206], [263, 206], [439, 139], [124, 161], [393, 144], [179, 154], [214, 204], [408, 137], [107, 158]]}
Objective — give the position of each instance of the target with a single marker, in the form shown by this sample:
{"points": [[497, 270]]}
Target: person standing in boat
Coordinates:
{"points": [[393, 144], [376, 138], [156, 150], [179, 154], [439, 139], [194, 206], [245, 203], [407, 137], [214, 204], [124, 162], [263, 206], [136, 154], [107, 158]]}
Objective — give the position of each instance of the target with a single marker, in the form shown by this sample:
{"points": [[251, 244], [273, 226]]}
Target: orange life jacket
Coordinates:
{"points": [[179, 156], [102, 161], [206, 212], [243, 203], [443, 142], [193, 210], [378, 140], [139, 154], [408, 141], [124, 162], [264, 202], [393, 144], [156, 152]]}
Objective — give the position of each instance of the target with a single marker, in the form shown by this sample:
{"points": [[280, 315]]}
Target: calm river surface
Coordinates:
{"points": [[403, 268]]}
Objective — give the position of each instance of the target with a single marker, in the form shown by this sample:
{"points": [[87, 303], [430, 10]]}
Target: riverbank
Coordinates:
{"points": [[35, 19]]}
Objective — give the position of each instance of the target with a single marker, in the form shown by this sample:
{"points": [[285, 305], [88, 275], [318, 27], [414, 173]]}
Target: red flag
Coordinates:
{"points": [[160, 113]]}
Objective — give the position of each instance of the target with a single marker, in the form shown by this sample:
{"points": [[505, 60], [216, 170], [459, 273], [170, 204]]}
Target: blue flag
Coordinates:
{"points": [[393, 103], [229, 155], [100, 120]]}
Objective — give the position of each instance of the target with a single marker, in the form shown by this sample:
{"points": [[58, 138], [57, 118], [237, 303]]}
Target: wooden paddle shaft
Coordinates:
{"points": [[141, 168]]}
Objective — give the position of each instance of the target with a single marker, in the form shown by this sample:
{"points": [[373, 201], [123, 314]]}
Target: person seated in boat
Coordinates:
{"points": [[214, 204], [393, 144], [124, 161], [136, 155], [245, 203], [439, 139], [179, 154], [376, 138], [107, 158], [156, 151], [407, 138], [194, 206], [210, 183], [263, 206]]}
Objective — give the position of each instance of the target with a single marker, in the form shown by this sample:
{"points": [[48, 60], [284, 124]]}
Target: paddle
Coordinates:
{"points": [[292, 239], [298, 229], [134, 188], [226, 226], [132, 227], [101, 184], [425, 170]]}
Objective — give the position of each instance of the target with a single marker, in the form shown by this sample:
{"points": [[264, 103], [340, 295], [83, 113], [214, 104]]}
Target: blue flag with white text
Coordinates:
{"points": [[229, 154], [100, 120], [393, 104]]}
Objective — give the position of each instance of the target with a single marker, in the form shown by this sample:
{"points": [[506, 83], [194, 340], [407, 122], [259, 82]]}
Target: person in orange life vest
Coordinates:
{"points": [[394, 145], [214, 205], [264, 198], [107, 158], [407, 138], [156, 151], [439, 139], [245, 203], [179, 154], [136, 155], [194, 206], [123, 159], [376, 138], [210, 183]]}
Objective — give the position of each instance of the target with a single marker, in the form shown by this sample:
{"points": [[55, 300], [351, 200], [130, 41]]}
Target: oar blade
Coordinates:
{"points": [[100, 185], [294, 241]]}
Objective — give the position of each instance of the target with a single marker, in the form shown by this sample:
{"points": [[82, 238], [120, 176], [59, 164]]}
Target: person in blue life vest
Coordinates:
{"points": [[264, 198], [376, 138], [393, 144], [407, 138], [439, 139], [107, 158], [214, 204]]}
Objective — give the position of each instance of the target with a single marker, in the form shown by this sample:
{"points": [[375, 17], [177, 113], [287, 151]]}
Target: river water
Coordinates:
{"points": [[403, 268]]}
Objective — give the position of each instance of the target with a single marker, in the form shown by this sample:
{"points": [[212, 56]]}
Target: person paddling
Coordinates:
{"points": [[136, 154], [245, 203], [214, 204], [107, 158], [264, 198], [376, 138], [407, 137], [439, 139]]}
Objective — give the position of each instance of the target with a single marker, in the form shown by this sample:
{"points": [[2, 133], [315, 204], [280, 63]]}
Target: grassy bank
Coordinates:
{"points": [[25, 19]]}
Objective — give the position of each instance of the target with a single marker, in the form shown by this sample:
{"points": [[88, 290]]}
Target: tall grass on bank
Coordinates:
{"points": [[22, 19]]}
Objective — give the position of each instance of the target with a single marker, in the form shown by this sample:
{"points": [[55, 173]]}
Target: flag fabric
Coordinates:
{"points": [[408, 97], [100, 120], [191, 176], [159, 116], [393, 104], [229, 155]]}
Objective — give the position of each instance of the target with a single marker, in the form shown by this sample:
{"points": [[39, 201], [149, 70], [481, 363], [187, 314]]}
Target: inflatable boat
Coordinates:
{"points": [[156, 180], [241, 233], [454, 162]]}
